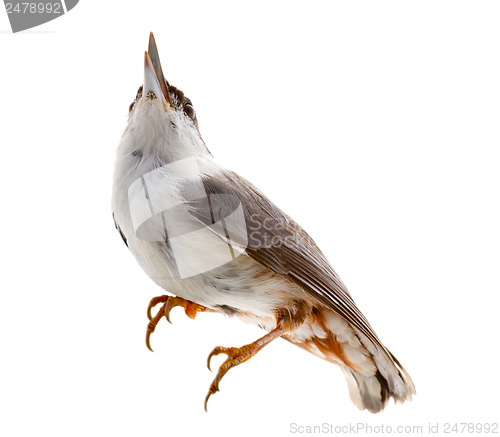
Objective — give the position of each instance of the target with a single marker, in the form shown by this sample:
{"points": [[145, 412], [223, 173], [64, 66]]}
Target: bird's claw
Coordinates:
{"points": [[190, 308], [152, 325], [155, 301], [235, 356]]}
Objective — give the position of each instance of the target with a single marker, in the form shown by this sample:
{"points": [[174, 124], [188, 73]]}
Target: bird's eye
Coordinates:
{"points": [[189, 110], [137, 97]]}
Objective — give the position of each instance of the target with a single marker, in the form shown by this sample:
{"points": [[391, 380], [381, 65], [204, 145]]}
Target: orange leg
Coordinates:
{"points": [[238, 355], [190, 308]]}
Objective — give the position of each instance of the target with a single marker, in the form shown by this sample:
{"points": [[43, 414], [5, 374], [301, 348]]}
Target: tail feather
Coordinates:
{"points": [[372, 392], [373, 374], [367, 392], [391, 374]]}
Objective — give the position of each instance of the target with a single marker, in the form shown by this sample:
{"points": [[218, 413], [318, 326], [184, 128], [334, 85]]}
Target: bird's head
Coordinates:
{"points": [[162, 120]]}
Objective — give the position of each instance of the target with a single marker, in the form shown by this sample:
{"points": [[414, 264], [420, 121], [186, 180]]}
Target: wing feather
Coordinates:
{"points": [[281, 245]]}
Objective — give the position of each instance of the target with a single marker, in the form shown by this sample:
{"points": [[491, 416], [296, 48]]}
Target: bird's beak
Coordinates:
{"points": [[153, 74]]}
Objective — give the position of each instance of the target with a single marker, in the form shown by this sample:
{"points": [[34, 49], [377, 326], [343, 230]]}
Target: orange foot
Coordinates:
{"points": [[237, 355], [190, 308]]}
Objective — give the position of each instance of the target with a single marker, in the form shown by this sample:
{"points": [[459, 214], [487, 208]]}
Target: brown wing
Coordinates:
{"points": [[280, 244]]}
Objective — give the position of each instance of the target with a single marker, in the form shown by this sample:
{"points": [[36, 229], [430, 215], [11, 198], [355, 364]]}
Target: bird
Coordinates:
{"points": [[215, 243]]}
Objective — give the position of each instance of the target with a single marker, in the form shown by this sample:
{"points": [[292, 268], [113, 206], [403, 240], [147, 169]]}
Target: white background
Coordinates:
{"points": [[374, 124]]}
